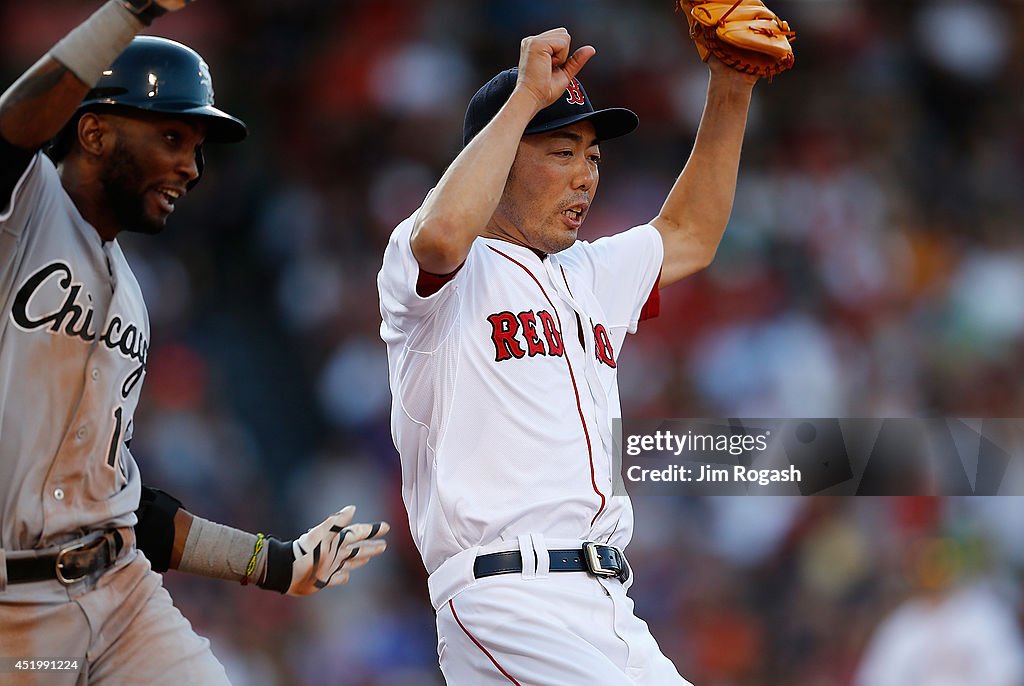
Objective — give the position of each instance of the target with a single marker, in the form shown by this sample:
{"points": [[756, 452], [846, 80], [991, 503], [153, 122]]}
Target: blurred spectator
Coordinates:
{"points": [[955, 630]]}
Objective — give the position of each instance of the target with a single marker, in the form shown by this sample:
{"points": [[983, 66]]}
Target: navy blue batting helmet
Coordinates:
{"points": [[157, 75]]}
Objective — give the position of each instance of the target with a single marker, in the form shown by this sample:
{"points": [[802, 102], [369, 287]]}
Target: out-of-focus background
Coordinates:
{"points": [[874, 266]]}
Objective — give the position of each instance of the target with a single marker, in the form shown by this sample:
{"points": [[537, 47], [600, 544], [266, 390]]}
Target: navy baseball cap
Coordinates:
{"points": [[570, 107]]}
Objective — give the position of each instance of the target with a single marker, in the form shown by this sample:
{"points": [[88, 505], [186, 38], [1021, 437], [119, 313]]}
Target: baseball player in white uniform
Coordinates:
{"points": [[78, 604], [503, 331]]}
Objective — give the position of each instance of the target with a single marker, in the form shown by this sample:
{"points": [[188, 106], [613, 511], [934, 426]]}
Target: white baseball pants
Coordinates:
{"points": [[539, 628]]}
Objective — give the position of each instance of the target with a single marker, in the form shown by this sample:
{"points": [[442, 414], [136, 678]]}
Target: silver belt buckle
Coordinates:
{"points": [[60, 562], [593, 560]]}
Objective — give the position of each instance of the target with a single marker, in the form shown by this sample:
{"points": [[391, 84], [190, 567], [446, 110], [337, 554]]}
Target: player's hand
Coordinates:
{"points": [[326, 554], [546, 66], [723, 72], [173, 5], [149, 10]]}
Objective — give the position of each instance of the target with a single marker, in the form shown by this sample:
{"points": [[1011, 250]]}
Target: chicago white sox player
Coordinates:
{"points": [[502, 331], [74, 345]]}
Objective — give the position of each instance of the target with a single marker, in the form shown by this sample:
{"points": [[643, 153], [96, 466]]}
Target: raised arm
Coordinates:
{"points": [[37, 105], [696, 211], [459, 208]]}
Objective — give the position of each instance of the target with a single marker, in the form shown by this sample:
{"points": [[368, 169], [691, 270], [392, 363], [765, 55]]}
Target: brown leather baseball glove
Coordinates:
{"points": [[743, 34]]}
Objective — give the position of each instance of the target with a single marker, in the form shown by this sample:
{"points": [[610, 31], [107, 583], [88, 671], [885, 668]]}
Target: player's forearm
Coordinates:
{"points": [[460, 207], [35, 108], [173, 538], [205, 548], [218, 551], [697, 209], [182, 527]]}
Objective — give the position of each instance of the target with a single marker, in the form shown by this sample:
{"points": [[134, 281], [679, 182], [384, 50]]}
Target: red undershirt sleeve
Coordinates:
{"points": [[651, 308], [427, 284]]}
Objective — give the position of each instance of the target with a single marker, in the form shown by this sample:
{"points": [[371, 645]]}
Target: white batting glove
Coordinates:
{"points": [[326, 554]]}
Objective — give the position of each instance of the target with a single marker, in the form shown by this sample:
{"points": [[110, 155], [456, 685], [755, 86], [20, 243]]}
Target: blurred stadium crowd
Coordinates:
{"points": [[874, 266]]}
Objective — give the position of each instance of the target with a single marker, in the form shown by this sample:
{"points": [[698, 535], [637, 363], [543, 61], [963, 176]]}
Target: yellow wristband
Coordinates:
{"points": [[251, 567]]}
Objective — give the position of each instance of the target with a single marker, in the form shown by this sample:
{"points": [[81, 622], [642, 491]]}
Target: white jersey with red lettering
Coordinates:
{"points": [[504, 392], [74, 339], [502, 417]]}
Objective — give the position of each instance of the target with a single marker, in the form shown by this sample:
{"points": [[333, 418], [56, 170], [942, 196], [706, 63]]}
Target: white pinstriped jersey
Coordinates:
{"points": [[74, 338], [504, 388]]}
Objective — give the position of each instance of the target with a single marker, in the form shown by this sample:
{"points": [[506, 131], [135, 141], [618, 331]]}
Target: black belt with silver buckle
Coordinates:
{"points": [[69, 563], [598, 560]]}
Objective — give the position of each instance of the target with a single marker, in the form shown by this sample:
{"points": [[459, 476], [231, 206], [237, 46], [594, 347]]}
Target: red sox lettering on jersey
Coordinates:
{"points": [[509, 331], [511, 366]]}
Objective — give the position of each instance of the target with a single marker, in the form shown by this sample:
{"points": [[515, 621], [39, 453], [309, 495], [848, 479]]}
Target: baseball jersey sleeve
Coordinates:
{"points": [[14, 217], [623, 271], [402, 307], [26, 189], [13, 163]]}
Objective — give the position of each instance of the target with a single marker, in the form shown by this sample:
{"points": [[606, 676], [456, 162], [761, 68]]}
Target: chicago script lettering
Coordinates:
{"points": [[75, 319]]}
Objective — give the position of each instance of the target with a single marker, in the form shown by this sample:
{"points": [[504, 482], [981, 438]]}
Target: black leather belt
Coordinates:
{"points": [[69, 563], [598, 560]]}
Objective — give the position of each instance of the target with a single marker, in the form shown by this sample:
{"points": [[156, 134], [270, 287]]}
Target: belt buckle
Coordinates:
{"points": [[58, 566], [593, 560]]}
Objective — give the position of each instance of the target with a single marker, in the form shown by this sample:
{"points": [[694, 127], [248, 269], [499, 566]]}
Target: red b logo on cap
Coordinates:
{"points": [[575, 93]]}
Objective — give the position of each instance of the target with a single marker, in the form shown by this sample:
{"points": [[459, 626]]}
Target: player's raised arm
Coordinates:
{"points": [[460, 207], [696, 211], [39, 103], [741, 42]]}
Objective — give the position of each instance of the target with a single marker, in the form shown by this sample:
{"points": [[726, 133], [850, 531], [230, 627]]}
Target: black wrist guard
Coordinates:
{"points": [[154, 532], [145, 10], [279, 566]]}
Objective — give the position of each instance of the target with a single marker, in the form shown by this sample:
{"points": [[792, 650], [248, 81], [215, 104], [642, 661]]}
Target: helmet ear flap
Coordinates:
{"points": [[200, 163]]}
